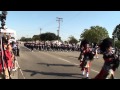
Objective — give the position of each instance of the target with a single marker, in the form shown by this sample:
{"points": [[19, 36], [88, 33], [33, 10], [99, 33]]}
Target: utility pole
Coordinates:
{"points": [[58, 31], [40, 30]]}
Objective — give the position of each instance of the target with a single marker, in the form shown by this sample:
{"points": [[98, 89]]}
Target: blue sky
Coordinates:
{"points": [[28, 23]]}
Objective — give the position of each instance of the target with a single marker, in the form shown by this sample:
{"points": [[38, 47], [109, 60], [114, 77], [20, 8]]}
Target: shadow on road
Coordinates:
{"points": [[75, 75], [66, 65]]}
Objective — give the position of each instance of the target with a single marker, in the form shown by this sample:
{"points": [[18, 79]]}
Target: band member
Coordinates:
{"points": [[96, 50], [85, 57], [18, 49], [111, 60], [81, 52]]}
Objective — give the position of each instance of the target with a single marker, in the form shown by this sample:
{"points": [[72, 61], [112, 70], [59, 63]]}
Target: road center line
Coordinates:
{"points": [[64, 60], [70, 62], [94, 70]]}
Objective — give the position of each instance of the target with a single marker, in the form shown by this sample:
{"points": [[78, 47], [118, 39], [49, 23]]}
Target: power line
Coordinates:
{"points": [[48, 24]]}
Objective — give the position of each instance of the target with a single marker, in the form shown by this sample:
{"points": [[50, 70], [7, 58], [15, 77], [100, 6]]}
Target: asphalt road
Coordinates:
{"points": [[54, 65]]}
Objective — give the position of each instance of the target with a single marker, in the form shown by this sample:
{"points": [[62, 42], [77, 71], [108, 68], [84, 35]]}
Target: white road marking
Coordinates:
{"points": [[64, 60], [18, 67], [94, 70], [76, 64], [70, 62]]}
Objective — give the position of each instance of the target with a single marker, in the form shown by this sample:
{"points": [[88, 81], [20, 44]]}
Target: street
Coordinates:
{"points": [[55, 65]]}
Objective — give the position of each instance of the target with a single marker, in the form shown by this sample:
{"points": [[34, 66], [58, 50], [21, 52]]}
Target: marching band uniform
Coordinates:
{"points": [[86, 63], [108, 68], [85, 57], [111, 61]]}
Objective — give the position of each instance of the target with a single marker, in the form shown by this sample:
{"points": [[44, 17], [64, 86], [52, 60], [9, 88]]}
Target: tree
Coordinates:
{"points": [[48, 36], [116, 32], [95, 34], [117, 44], [72, 39], [36, 37], [23, 39], [29, 39], [65, 41]]}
